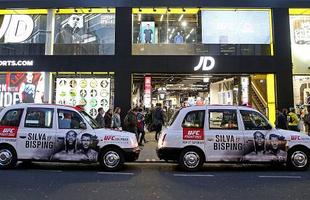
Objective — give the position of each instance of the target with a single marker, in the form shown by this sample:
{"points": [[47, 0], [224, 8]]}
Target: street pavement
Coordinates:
{"points": [[152, 179]]}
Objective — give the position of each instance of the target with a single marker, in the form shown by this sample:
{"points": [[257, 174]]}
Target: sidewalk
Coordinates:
{"points": [[148, 152]]}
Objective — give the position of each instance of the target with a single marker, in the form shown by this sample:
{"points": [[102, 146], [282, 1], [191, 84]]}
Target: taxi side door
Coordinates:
{"points": [[223, 137], [75, 139], [258, 133], [36, 137]]}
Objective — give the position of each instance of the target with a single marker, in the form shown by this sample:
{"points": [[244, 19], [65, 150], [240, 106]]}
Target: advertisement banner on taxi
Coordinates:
{"points": [[21, 87]]}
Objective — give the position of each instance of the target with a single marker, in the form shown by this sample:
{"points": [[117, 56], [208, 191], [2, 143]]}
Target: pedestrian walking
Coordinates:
{"points": [[293, 120], [281, 121], [140, 126], [130, 122], [99, 118], [116, 118], [108, 118], [307, 121], [158, 119]]}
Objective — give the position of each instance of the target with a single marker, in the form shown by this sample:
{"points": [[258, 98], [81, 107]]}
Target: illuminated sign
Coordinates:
{"points": [[206, 63], [16, 63], [147, 91], [16, 28]]}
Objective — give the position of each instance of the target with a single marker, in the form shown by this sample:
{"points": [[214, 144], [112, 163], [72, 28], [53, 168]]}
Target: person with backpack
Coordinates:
{"points": [[158, 119], [130, 122]]}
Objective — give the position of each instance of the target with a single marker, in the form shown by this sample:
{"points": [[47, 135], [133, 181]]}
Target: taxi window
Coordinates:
{"points": [[68, 119], [223, 119], [39, 118], [253, 120], [12, 118], [194, 119]]}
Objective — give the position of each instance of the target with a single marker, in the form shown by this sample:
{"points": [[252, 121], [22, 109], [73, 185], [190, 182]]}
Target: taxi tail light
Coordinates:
{"points": [[162, 142]]}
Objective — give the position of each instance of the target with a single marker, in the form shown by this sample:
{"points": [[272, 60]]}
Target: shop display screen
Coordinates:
{"points": [[300, 43], [89, 92], [235, 27], [85, 34], [21, 88]]}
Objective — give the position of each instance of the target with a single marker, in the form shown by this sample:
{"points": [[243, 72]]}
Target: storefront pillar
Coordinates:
{"points": [[283, 58], [122, 92]]}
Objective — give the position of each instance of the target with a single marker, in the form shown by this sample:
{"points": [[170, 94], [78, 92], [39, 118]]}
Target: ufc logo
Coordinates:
{"points": [[7, 130], [16, 28], [193, 133], [206, 63]]}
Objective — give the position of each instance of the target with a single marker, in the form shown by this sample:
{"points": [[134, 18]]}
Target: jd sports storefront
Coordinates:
{"points": [[105, 56]]}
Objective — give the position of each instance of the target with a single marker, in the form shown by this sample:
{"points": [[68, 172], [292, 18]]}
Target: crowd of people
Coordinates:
{"points": [[136, 121], [290, 120]]}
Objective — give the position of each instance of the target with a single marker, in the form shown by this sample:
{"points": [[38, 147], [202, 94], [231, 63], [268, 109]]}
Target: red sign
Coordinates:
{"points": [[8, 131], [193, 134], [147, 91]]}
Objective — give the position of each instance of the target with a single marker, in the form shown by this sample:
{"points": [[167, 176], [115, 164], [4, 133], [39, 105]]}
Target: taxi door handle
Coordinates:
{"points": [[60, 138], [23, 137]]}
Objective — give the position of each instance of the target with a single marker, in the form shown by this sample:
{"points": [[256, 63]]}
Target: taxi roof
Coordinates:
{"points": [[23, 105]]}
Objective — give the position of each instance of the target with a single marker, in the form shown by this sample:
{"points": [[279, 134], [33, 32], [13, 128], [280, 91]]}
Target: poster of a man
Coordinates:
{"points": [[69, 31], [70, 148], [274, 147], [259, 148], [31, 90], [86, 144], [147, 32]]}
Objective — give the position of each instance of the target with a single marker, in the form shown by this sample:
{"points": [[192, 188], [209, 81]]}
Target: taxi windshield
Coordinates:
{"points": [[90, 120]]}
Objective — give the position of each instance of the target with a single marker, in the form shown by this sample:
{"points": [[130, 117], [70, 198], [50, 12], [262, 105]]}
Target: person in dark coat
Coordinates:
{"points": [[158, 119], [100, 119], [131, 122], [108, 119], [281, 121]]}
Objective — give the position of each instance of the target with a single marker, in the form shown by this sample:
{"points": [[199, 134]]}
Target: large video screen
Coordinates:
{"points": [[235, 27], [23, 87], [300, 43], [89, 92]]}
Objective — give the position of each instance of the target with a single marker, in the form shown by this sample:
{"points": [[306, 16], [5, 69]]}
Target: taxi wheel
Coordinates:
{"points": [[111, 159], [8, 157], [191, 159], [298, 159]]}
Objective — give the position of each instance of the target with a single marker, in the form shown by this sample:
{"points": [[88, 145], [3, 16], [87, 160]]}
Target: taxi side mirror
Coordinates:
{"points": [[83, 125]]}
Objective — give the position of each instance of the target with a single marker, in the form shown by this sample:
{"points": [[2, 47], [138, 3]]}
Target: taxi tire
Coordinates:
{"points": [[186, 151], [120, 164], [290, 163], [13, 162]]}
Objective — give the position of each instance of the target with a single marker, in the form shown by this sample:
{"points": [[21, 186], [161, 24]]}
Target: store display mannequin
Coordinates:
{"points": [[178, 39]]}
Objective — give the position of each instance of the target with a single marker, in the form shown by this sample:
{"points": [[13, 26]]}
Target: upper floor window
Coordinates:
{"points": [[193, 31], [23, 32], [84, 31]]}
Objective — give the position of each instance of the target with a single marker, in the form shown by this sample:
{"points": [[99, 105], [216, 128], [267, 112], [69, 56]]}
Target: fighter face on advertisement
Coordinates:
{"points": [[259, 139], [71, 137], [85, 140]]}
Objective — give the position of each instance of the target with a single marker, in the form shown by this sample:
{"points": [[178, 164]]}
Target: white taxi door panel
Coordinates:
{"points": [[74, 142], [36, 137], [10, 126], [223, 136], [262, 143]]}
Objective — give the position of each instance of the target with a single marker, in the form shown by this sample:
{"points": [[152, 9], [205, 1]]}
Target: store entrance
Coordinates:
{"points": [[177, 90]]}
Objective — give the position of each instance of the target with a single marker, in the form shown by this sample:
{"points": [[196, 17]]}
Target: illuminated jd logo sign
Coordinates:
{"points": [[206, 63], [16, 28]]}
